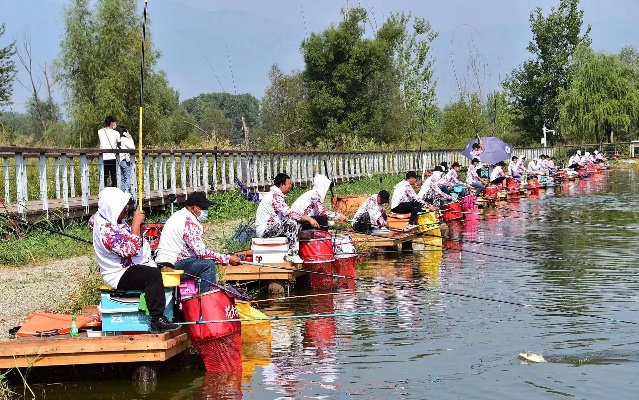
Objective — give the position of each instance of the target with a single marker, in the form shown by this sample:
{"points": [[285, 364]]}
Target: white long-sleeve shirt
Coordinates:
{"points": [[272, 207], [374, 211], [109, 139], [498, 172], [182, 238], [403, 192]]}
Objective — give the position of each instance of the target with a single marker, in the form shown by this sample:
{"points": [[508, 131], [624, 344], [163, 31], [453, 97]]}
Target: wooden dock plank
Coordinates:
{"points": [[63, 350], [254, 272]]}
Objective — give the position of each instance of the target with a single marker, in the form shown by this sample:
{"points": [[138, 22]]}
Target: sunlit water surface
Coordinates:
{"points": [[563, 287]]}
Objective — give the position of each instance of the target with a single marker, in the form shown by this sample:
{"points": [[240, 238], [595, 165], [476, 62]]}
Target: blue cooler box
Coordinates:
{"points": [[120, 311]]}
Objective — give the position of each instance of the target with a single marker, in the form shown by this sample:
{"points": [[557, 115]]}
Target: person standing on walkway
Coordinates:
{"points": [[109, 140], [126, 142], [181, 245]]}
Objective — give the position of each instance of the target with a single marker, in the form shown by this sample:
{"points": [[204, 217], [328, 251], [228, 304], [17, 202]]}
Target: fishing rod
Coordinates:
{"points": [[140, 166], [303, 316], [306, 296], [418, 285], [39, 225]]}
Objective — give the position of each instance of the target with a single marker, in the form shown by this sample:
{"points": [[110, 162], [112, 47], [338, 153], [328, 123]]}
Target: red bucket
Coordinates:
{"points": [[452, 211], [151, 233], [317, 249], [490, 192], [210, 306]]}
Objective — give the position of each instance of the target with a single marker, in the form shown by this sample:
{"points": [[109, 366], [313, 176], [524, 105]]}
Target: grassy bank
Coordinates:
{"points": [[31, 246]]}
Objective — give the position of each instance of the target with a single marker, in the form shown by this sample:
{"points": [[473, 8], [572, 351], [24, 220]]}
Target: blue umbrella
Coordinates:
{"points": [[496, 150]]}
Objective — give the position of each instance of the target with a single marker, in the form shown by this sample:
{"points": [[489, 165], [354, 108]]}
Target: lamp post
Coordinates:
{"points": [[546, 131]]}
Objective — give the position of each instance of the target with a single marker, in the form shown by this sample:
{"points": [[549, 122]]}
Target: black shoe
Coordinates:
{"points": [[163, 325]]}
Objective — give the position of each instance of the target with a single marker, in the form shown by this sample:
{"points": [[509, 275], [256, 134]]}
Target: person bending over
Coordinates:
{"points": [[370, 215]]}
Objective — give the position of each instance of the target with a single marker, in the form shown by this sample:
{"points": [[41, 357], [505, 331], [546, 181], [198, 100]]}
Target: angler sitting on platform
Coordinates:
{"points": [[513, 168], [497, 176], [405, 200], [123, 257], [451, 179], [473, 179], [575, 161], [311, 203], [430, 192], [274, 217], [370, 215], [181, 245]]}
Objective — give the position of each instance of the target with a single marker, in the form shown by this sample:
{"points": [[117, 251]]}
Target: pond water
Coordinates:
{"points": [[565, 285]]}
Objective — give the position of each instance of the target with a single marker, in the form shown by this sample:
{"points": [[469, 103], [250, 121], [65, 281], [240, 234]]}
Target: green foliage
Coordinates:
{"points": [[460, 123], [284, 108], [602, 95], [353, 86], [99, 64], [534, 88], [230, 205], [39, 246], [415, 69], [86, 291], [7, 70], [222, 113]]}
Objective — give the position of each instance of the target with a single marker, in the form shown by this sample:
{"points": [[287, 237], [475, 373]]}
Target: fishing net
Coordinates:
{"points": [[321, 281], [221, 354], [346, 267]]}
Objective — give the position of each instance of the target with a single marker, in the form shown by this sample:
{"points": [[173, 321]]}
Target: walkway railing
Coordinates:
{"points": [[39, 181]]}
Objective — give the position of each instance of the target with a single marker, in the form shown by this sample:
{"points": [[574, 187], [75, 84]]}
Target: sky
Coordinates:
{"points": [[230, 46]]}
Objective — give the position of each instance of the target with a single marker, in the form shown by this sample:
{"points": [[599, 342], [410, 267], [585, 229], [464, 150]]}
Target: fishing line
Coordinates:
{"points": [[419, 285], [39, 225], [304, 316]]}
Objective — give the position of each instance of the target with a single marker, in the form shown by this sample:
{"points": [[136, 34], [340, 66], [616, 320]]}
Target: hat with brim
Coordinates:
{"points": [[198, 199]]}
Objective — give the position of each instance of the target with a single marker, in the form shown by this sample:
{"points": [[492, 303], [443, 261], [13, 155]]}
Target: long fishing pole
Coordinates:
{"points": [[140, 183], [303, 316], [401, 286]]}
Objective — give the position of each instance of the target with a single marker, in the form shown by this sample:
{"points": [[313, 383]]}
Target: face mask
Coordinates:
{"points": [[114, 126], [204, 215]]}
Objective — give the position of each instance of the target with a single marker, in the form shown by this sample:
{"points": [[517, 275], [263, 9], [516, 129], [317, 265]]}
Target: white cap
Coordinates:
{"points": [[578, 152], [596, 152]]}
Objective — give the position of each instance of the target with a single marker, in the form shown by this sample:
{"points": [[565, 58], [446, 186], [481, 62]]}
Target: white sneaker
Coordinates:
{"points": [[293, 258]]}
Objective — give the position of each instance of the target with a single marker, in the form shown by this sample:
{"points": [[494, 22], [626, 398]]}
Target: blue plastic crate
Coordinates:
{"points": [[120, 311]]}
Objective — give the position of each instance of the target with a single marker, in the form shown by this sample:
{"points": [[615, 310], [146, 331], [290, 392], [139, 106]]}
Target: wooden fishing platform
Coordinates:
{"points": [[65, 350], [390, 239], [247, 272]]}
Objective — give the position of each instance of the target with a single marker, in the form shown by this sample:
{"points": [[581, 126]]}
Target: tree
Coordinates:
{"points": [[7, 70], [602, 96], [534, 87], [99, 63], [352, 84], [232, 107], [43, 109], [415, 68], [460, 123], [284, 110]]}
